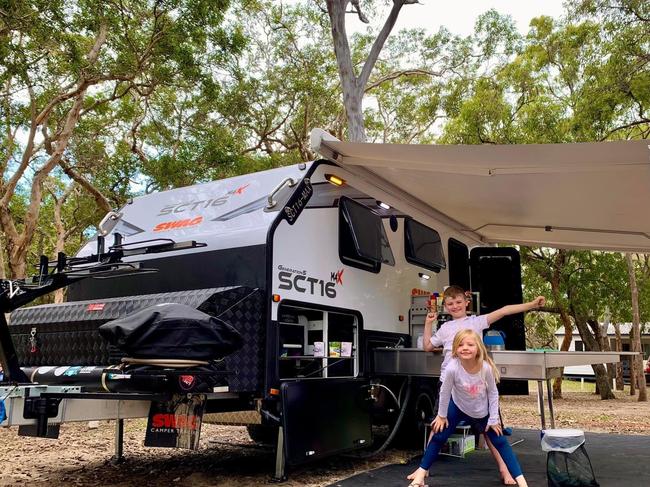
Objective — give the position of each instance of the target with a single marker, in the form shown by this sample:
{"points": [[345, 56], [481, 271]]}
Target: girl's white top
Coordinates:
{"points": [[444, 337], [475, 394]]}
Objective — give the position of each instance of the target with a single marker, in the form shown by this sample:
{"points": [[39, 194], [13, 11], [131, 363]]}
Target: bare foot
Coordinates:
{"points": [[521, 481], [417, 477], [426, 474], [507, 479]]}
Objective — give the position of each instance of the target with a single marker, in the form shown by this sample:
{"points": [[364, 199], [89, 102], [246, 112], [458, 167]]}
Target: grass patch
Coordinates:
{"points": [[567, 386], [574, 385], [577, 386]]}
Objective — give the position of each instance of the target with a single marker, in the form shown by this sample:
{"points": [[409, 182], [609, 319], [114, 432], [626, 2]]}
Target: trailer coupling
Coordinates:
{"points": [[40, 409], [36, 409]]}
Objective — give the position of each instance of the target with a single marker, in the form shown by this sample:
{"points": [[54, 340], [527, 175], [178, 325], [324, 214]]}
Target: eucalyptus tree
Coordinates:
{"points": [[625, 27], [583, 287], [403, 74], [637, 375], [283, 85], [410, 83], [287, 82], [570, 80], [62, 63], [67, 211], [353, 85]]}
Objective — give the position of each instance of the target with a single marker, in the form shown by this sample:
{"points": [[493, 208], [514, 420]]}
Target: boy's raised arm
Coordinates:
{"points": [[432, 316], [512, 309]]}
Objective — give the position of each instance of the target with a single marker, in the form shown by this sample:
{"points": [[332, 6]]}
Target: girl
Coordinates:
{"points": [[468, 393], [456, 303]]}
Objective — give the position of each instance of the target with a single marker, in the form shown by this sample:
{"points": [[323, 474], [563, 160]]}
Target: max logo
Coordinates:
{"points": [[337, 277], [241, 189], [166, 420], [187, 222]]}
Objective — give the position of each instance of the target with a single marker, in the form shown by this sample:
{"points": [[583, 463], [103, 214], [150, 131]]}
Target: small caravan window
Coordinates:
{"points": [[386, 251], [423, 246], [363, 242], [458, 258]]}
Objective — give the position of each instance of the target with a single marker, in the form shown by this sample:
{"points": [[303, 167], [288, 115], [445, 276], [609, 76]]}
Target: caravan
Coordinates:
{"points": [[318, 265]]}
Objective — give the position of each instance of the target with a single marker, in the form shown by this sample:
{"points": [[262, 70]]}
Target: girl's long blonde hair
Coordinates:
{"points": [[482, 354]]}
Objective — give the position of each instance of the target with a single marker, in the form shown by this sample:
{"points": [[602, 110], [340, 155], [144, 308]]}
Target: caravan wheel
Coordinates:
{"points": [[420, 413], [425, 410], [262, 433]]}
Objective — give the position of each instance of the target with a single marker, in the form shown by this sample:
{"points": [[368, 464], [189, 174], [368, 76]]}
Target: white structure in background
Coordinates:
{"points": [[578, 345]]}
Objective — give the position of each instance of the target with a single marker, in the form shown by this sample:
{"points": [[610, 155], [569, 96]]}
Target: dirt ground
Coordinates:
{"points": [[583, 410], [227, 457]]}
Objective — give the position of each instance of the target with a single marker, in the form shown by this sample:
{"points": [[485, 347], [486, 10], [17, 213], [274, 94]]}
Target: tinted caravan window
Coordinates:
{"points": [[386, 251], [362, 240], [423, 246], [458, 258]]}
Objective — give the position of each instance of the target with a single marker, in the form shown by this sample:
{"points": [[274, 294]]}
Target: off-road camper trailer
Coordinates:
{"points": [[316, 265], [308, 262]]}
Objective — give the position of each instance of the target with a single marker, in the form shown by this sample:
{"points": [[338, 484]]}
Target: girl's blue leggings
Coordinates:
{"points": [[454, 416]]}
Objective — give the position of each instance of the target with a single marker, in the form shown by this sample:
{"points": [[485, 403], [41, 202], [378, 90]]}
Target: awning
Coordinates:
{"points": [[586, 195]]}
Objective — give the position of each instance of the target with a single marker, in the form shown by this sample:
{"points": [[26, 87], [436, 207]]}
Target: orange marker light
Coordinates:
{"points": [[274, 392], [337, 181], [276, 298]]}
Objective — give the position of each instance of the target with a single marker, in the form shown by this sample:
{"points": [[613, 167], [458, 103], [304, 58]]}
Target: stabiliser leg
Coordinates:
{"points": [[280, 460], [119, 442]]}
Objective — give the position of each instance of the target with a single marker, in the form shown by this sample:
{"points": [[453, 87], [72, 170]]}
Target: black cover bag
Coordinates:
{"points": [[570, 469], [172, 331]]}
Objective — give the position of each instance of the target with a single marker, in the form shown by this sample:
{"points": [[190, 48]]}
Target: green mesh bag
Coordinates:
{"points": [[570, 469]]}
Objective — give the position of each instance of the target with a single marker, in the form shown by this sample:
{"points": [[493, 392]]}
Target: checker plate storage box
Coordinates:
{"points": [[67, 333]]}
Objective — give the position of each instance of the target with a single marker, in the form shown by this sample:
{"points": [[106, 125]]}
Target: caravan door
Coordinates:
{"points": [[496, 275]]}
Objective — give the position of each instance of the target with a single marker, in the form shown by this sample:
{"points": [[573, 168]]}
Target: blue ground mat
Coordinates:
{"points": [[618, 461]]}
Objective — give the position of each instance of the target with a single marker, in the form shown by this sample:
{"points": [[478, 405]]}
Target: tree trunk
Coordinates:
{"points": [[61, 234], [618, 345], [605, 347], [564, 346], [353, 86], [632, 364], [3, 273], [635, 344], [18, 242], [354, 110], [560, 261], [603, 385]]}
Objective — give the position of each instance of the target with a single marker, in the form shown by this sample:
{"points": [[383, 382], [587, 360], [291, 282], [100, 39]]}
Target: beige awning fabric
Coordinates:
{"points": [[587, 195]]}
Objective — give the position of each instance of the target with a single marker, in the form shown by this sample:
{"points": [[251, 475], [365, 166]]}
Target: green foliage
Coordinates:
{"points": [[135, 67], [568, 80], [591, 284], [581, 78], [284, 85]]}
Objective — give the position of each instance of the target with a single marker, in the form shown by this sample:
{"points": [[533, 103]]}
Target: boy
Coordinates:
{"points": [[456, 302]]}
